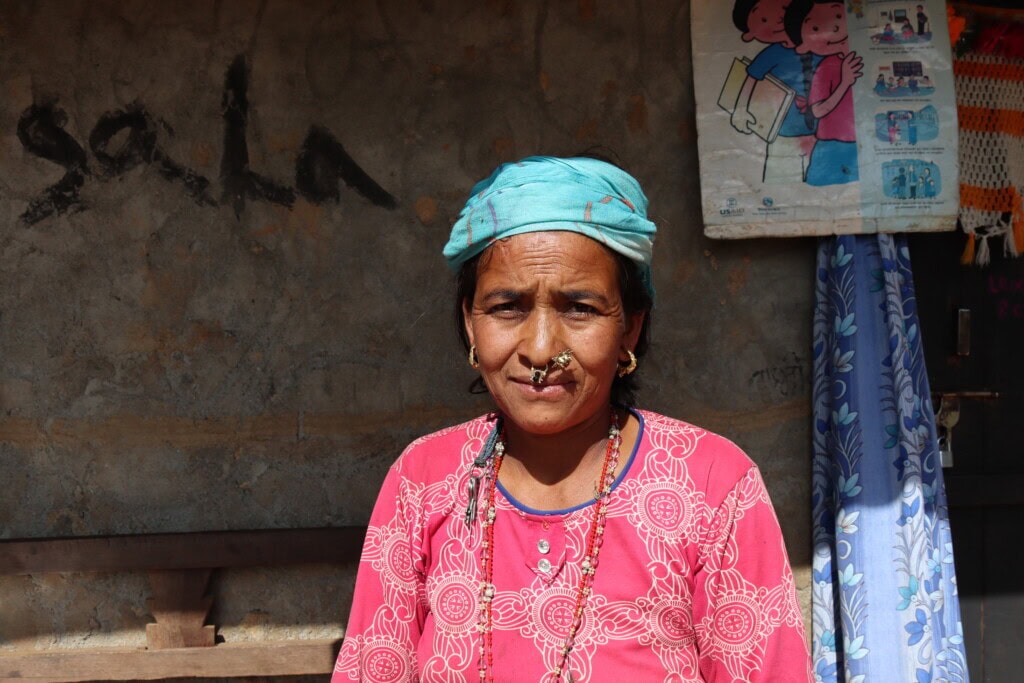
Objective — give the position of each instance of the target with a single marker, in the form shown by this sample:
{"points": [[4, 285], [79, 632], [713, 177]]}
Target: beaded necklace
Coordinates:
{"points": [[588, 566]]}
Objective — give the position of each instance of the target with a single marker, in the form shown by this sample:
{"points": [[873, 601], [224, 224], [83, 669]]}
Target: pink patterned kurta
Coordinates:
{"points": [[693, 582]]}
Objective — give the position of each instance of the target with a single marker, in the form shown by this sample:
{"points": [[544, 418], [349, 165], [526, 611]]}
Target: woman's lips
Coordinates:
{"points": [[547, 388]]}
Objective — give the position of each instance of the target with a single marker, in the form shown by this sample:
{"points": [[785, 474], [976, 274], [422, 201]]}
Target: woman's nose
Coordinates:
{"points": [[540, 338]]}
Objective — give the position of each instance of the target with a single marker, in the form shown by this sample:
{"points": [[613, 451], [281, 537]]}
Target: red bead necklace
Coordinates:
{"points": [[588, 566]]}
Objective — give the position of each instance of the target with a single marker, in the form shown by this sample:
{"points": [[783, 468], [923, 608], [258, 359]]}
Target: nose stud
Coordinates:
{"points": [[559, 360]]}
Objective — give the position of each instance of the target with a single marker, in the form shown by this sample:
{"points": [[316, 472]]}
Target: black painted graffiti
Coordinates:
{"points": [[41, 131], [785, 380], [140, 147], [239, 181], [321, 164]]}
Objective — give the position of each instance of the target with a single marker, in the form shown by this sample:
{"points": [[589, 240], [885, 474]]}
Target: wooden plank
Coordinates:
{"points": [[260, 548], [135, 431], [227, 660]]}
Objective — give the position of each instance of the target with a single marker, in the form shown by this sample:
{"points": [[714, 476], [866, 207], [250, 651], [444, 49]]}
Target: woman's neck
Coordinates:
{"points": [[553, 472]]}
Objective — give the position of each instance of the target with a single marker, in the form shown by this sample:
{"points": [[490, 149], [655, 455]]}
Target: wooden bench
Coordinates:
{"points": [[179, 643]]}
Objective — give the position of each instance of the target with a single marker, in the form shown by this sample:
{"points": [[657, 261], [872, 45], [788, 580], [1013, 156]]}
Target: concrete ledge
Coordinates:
{"points": [[212, 549], [227, 660]]}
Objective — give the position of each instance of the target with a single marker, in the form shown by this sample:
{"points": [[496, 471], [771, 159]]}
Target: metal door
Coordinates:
{"points": [[972, 322]]}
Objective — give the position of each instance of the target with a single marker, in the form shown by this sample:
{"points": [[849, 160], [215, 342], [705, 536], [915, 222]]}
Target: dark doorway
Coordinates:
{"points": [[972, 324]]}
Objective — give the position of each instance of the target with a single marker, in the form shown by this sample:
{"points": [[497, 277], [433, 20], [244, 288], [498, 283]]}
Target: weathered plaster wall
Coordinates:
{"points": [[187, 343]]}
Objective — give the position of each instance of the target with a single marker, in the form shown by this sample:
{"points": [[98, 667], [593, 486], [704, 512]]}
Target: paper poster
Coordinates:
{"points": [[818, 118]]}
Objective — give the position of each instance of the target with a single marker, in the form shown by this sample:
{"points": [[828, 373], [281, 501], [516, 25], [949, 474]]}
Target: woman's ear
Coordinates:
{"points": [[634, 325], [467, 310]]}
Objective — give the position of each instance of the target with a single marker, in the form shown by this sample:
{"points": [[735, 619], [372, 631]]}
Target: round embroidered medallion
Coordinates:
{"points": [[398, 560], [553, 616], [455, 603], [665, 509], [384, 663], [736, 624], [671, 621]]}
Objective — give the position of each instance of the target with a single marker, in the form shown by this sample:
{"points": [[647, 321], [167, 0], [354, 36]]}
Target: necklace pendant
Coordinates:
{"points": [[471, 489]]}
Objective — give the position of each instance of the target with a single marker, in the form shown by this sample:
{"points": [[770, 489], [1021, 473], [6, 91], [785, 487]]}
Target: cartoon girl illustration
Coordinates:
{"points": [[786, 158], [819, 27], [929, 182], [894, 128], [907, 31]]}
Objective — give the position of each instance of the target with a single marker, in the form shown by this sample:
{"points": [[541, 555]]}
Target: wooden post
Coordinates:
{"points": [[180, 606]]}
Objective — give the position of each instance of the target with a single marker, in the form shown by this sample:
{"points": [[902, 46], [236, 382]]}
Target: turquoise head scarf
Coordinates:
{"points": [[541, 194]]}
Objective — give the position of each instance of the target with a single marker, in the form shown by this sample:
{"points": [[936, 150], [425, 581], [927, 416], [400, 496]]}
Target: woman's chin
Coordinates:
{"points": [[548, 412]]}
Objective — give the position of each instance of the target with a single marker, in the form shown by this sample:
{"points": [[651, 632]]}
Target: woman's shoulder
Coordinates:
{"points": [[446, 448], [709, 457]]}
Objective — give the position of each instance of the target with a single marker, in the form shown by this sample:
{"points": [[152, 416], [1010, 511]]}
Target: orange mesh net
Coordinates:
{"points": [[990, 105]]}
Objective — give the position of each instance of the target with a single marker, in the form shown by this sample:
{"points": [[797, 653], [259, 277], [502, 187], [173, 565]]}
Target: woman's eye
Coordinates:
{"points": [[504, 307], [578, 308]]}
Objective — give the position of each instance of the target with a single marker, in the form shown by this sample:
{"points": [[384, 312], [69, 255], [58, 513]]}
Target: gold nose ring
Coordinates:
{"points": [[559, 360]]}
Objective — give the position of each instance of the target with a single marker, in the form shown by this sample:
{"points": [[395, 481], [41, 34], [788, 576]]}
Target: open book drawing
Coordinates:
{"points": [[769, 101]]}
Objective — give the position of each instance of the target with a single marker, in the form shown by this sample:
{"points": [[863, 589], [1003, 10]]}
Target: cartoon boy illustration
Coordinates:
{"points": [[787, 157], [818, 27], [922, 20], [900, 181]]}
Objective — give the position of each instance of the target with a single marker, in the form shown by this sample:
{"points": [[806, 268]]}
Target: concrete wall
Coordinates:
{"points": [[188, 342]]}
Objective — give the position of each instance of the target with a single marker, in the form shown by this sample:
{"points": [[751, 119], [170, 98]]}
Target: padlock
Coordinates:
{"points": [[945, 420]]}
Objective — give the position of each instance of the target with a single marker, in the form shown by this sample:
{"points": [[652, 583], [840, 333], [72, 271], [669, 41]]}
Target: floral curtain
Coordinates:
{"points": [[885, 605]]}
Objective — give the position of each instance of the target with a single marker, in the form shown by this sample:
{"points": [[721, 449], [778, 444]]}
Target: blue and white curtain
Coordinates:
{"points": [[885, 605]]}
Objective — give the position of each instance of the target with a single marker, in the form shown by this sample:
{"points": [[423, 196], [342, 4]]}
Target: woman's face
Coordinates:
{"points": [[536, 295]]}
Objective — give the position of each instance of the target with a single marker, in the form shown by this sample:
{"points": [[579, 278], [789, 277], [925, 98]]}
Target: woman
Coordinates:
{"points": [[567, 536]]}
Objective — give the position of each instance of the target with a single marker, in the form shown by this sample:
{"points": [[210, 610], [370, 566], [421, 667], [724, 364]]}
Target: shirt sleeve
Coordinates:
{"points": [[747, 618], [388, 610], [822, 83], [763, 63]]}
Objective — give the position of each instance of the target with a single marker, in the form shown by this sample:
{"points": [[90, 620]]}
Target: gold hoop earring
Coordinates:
{"points": [[474, 362], [627, 368]]}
